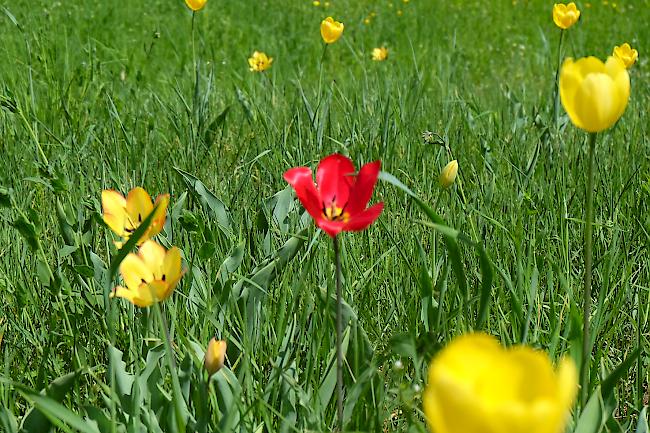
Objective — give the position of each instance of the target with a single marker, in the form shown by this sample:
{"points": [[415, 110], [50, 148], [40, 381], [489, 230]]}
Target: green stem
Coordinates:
{"points": [[589, 228], [339, 336], [176, 386], [556, 98]]}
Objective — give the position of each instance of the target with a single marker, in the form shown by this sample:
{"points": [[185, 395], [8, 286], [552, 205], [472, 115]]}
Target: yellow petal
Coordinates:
{"points": [[134, 271], [162, 201], [596, 103], [138, 205], [114, 210], [138, 297], [195, 5], [153, 256], [171, 265]]}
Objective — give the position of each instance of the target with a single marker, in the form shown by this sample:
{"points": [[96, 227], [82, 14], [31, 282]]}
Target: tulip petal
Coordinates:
{"points": [[138, 205], [139, 298], [597, 102], [362, 220], [334, 178], [617, 71], [162, 201], [171, 265], [134, 271], [362, 189], [114, 211], [300, 178], [153, 256], [332, 228]]}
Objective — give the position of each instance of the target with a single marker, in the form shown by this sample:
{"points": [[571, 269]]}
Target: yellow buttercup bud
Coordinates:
{"points": [[564, 16], [594, 94], [195, 5], [626, 54], [448, 174], [380, 54], [477, 386], [331, 30], [215, 356]]}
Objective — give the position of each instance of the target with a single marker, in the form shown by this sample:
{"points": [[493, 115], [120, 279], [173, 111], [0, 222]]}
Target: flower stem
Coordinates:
{"points": [[176, 386], [339, 336], [589, 210], [556, 99]]}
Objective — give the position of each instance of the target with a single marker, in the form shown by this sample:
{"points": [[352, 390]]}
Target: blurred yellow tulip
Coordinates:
{"points": [[564, 16], [448, 174], [124, 215], [215, 356], [626, 54], [380, 54], [259, 62], [195, 5], [150, 276], [331, 30], [477, 386], [594, 94]]}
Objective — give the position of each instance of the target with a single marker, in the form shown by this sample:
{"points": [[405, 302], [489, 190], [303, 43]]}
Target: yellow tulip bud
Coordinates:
{"points": [[564, 16], [331, 30], [380, 54], [215, 356], [195, 5], [594, 94], [449, 173], [477, 386], [259, 62], [626, 54]]}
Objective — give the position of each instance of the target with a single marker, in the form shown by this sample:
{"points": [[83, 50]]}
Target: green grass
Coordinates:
{"points": [[107, 90]]}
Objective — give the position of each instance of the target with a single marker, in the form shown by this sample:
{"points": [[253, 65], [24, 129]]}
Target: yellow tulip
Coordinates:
{"points": [[448, 174], [150, 276], [215, 356], [564, 16], [477, 386], [626, 54], [331, 30], [124, 215], [594, 94], [195, 5], [380, 54], [259, 62]]}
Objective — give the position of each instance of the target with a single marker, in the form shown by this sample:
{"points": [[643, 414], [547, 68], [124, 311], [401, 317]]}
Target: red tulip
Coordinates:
{"points": [[338, 200]]}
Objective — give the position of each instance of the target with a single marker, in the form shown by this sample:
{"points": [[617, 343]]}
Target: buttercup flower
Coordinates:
{"points": [[380, 54], [338, 200], [195, 5], [215, 356], [626, 54], [259, 62], [331, 30], [150, 276], [594, 94], [564, 16], [448, 174], [124, 215], [477, 386]]}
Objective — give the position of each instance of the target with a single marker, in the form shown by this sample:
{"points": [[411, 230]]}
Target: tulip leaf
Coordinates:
{"points": [[608, 385], [487, 276], [642, 426], [208, 200], [592, 419], [8, 422], [35, 420], [58, 414]]}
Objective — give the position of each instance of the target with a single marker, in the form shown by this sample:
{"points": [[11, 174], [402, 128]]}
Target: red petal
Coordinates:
{"points": [[362, 189], [362, 220], [301, 180], [334, 177], [332, 228]]}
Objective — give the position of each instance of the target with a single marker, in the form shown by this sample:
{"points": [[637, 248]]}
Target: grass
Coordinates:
{"points": [[107, 91]]}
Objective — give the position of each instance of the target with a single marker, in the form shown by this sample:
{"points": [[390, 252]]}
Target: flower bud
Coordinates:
{"points": [[215, 356], [448, 175]]}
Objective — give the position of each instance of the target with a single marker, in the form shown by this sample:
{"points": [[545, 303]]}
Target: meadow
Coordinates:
{"points": [[116, 95]]}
